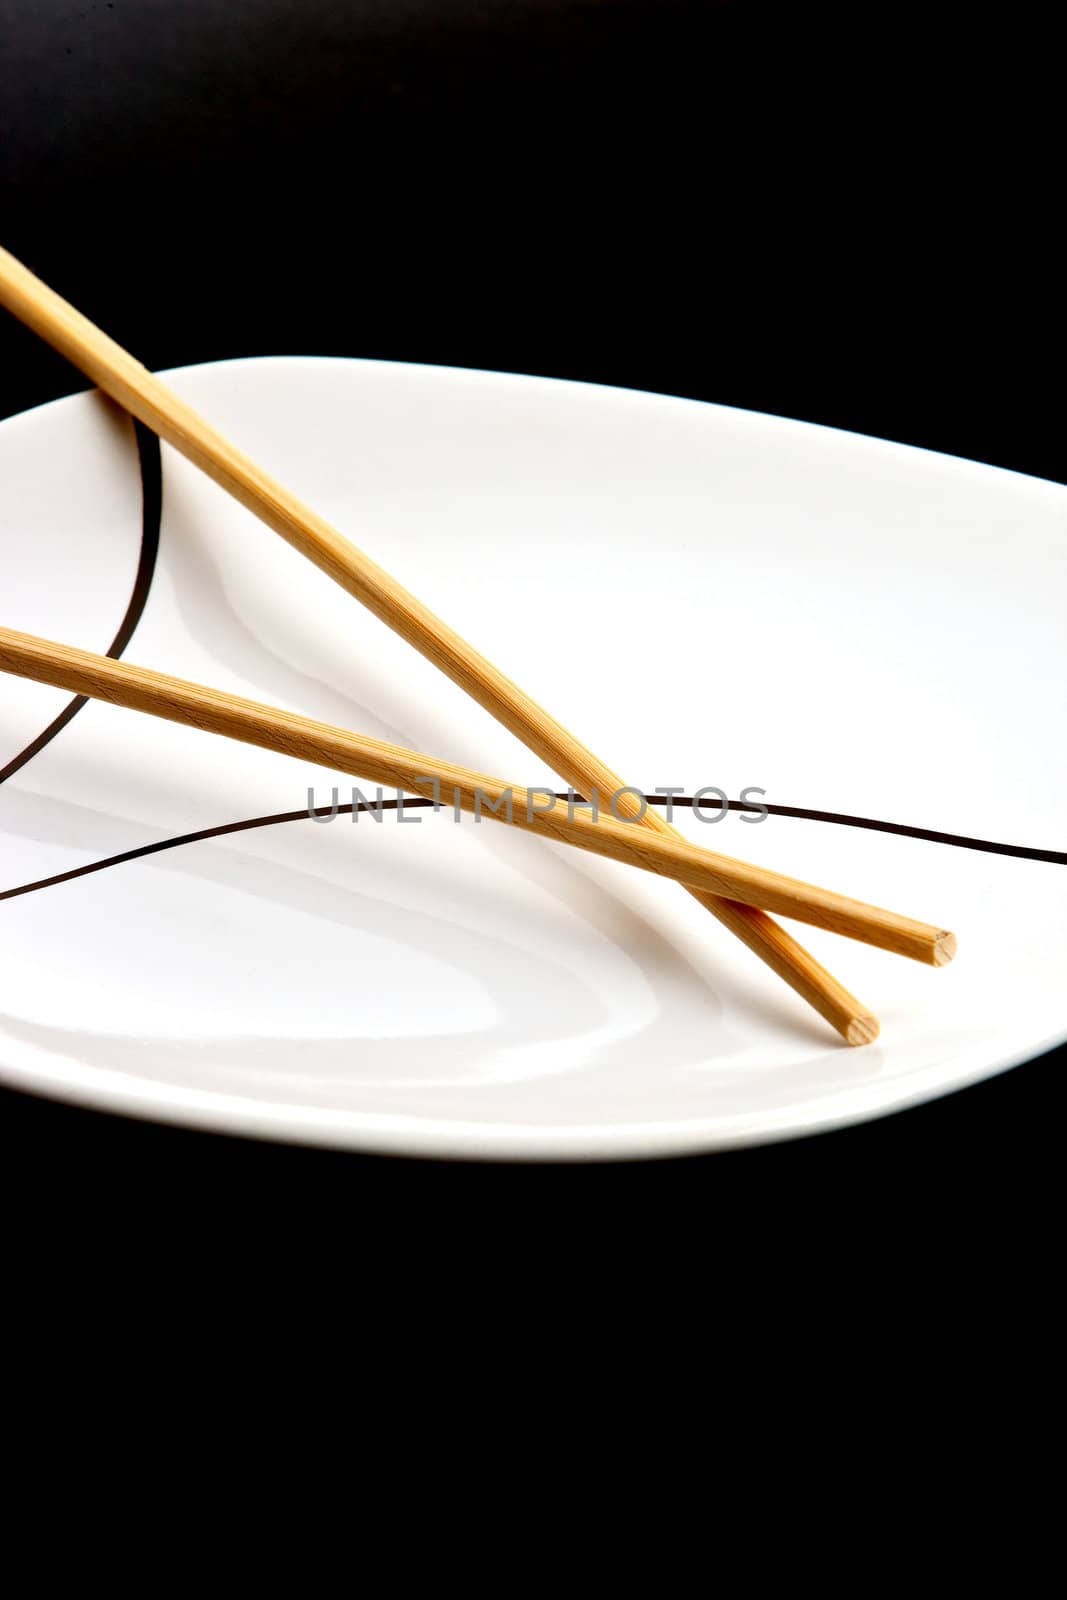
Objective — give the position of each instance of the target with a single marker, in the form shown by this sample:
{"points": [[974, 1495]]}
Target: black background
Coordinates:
{"points": [[835, 213]]}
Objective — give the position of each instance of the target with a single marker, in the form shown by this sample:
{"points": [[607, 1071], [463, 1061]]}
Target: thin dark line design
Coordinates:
{"points": [[411, 803], [148, 453], [151, 511], [961, 841]]}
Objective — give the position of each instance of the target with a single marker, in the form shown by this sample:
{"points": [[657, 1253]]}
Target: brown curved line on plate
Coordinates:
{"points": [[151, 511], [962, 841], [152, 504]]}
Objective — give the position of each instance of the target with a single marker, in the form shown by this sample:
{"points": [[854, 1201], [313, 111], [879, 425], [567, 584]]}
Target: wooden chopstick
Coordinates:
{"points": [[140, 392], [140, 689]]}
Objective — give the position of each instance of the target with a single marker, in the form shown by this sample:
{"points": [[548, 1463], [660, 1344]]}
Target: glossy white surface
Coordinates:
{"points": [[851, 625]]}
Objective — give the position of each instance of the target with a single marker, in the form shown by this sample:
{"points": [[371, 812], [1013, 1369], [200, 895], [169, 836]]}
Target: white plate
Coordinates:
{"points": [[708, 597]]}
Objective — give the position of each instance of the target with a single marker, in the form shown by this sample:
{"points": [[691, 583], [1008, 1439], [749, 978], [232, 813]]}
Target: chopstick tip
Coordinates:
{"points": [[863, 1030], [944, 949]]}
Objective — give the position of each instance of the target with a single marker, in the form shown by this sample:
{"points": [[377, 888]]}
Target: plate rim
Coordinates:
{"points": [[378, 1133]]}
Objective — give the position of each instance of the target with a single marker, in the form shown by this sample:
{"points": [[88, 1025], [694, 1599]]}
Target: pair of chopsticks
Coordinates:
{"points": [[739, 895]]}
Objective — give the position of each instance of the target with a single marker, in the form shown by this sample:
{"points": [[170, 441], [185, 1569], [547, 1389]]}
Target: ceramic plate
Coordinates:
{"points": [[711, 599]]}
